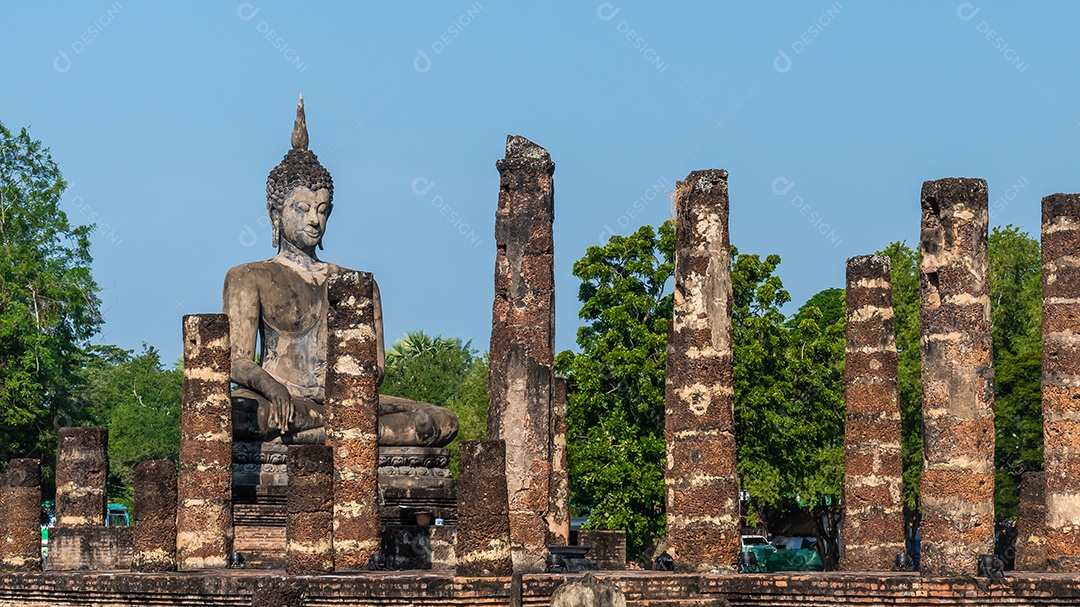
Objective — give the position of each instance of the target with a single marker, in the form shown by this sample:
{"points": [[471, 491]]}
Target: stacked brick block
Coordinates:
{"points": [[957, 492], [309, 519], [154, 535], [701, 482], [873, 467], [352, 403], [483, 534], [20, 505]]}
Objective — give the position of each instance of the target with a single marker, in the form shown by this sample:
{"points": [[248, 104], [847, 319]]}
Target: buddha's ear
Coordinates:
{"points": [[275, 224]]}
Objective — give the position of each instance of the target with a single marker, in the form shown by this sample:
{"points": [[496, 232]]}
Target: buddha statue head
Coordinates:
{"points": [[299, 192]]}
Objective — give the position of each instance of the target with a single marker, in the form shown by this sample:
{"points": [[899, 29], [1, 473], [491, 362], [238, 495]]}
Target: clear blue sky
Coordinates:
{"points": [[166, 119]]}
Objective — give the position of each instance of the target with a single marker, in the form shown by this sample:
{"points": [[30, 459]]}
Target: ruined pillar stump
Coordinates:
{"points": [[309, 518], [559, 511], [957, 491], [82, 467], [1031, 523], [154, 535], [352, 414], [20, 497], [483, 533], [607, 548], [701, 482], [1061, 377], [523, 348], [873, 467], [204, 520]]}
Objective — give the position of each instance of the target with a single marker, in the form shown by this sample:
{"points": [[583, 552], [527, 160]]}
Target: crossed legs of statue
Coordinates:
{"points": [[401, 421]]}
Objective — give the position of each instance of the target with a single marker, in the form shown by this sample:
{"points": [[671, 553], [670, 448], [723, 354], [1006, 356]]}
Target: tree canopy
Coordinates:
{"points": [[48, 300]]}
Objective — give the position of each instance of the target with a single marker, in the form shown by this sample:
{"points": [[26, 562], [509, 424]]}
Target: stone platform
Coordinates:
{"points": [[437, 588]]}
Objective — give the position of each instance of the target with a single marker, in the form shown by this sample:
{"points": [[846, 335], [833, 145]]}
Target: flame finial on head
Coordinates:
{"points": [[300, 134]]}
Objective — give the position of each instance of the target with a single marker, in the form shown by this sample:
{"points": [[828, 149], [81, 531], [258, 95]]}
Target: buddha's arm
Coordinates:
{"points": [[381, 351], [240, 301]]}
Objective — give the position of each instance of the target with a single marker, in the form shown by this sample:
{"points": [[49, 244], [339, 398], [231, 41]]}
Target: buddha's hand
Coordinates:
{"points": [[281, 408]]}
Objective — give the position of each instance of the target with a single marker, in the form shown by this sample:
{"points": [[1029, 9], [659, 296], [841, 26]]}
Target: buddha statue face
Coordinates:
{"points": [[301, 219]]}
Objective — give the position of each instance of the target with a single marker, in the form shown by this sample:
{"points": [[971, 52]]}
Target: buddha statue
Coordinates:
{"points": [[277, 314]]}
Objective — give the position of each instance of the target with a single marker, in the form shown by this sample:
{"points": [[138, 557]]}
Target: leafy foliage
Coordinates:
{"points": [[48, 301], [788, 388], [616, 385], [442, 371], [138, 400]]}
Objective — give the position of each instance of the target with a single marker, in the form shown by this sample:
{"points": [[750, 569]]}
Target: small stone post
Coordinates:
{"points": [[309, 518], [523, 346], [204, 521], [701, 482], [957, 492], [483, 535], [352, 414], [1061, 378], [20, 495], [154, 535], [82, 466], [873, 468], [1031, 523]]}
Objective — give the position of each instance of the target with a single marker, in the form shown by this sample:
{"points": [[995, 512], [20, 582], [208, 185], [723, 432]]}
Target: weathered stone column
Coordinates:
{"points": [[20, 496], [82, 467], [559, 511], [204, 522], [523, 345], [154, 535], [702, 500], [352, 414], [1031, 523], [873, 468], [957, 491], [1061, 377], [309, 518], [483, 534]]}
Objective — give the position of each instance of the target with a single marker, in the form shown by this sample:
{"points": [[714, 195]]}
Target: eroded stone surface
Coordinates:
{"points": [[352, 402], [1061, 379], [701, 482], [523, 411], [154, 534], [204, 521], [873, 473], [483, 533], [1031, 523], [82, 467], [588, 592], [20, 505], [309, 519], [957, 493]]}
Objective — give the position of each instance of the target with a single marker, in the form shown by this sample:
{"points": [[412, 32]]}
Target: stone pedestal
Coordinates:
{"points": [[957, 492], [1031, 523], [82, 467], [309, 521], [154, 535], [204, 517], [702, 501], [483, 535], [873, 467], [89, 549], [20, 500], [523, 347], [1061, 378], [352, 403]]}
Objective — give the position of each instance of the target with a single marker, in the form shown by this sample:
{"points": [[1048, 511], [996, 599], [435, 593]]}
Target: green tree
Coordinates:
{"points": [[1016, 309], [442, 371], [48, 301], [616, 385], [138, 400]]}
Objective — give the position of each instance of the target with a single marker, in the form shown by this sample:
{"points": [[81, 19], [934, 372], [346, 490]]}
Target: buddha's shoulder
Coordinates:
{"points": [[334, 269], [253, 271]]}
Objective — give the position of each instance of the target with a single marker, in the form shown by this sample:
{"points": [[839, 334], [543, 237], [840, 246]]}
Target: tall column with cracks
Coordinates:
{"points": [[352, 418], [957, 491], [204, 518], [1061, 378], [521, 387], [701, 481], [873, 468]]}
